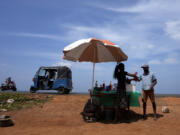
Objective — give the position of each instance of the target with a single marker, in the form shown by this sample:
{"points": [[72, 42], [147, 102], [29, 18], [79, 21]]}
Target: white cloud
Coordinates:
{"points": [[140, 7], [68, 64], [36, 54], [171, 61], [140, 50], [129, 39], [150, 46], [81, 66], [172, 58], [159, 7], [173, 29], [137, 35], [144, 30], [86, 66], [37, 35], [3, 64], [154, 62], [47, 55], [134, 41], [104, 32]]}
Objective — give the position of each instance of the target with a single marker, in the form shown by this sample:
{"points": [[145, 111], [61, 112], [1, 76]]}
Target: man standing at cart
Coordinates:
{"points": [[148, 82]]}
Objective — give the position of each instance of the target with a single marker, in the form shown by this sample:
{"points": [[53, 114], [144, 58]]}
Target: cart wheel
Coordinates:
{"points": [[89, 114]]}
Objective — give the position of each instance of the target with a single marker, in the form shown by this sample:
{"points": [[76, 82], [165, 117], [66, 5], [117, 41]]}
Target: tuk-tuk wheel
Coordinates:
{"points": [[14, 89], [2, 89], [66, 91], [61, 90]]}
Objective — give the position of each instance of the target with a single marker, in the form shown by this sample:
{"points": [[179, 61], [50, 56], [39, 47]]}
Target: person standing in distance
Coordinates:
{"points": [[148, 82]]}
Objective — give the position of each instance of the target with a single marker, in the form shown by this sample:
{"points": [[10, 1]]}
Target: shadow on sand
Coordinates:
{"points": [[129, 117], [152, 115]]}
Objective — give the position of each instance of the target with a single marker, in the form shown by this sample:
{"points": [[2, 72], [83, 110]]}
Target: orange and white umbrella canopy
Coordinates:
{"points": [[94, 50]]}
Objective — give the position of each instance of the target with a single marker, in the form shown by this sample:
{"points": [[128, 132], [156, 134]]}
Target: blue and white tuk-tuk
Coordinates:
{"points": [[53, 78]]}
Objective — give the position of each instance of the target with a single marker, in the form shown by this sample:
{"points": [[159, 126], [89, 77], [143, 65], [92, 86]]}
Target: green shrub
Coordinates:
{"points": [[21, 101]]}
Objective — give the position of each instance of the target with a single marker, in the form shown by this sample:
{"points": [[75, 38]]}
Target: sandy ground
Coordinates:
{"points": [[61, 116]]}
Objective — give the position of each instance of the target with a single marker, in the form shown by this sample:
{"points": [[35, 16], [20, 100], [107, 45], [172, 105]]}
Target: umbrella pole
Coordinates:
{"points": [[93, 76]]}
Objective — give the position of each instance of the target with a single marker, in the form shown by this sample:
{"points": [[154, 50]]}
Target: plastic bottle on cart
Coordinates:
{"points": [[110, 86], [115, 86], [103, 86], [96, 84]]}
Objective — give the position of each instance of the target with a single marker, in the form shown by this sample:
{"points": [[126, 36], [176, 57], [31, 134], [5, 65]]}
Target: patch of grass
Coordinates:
{"points": [[21, 101]]}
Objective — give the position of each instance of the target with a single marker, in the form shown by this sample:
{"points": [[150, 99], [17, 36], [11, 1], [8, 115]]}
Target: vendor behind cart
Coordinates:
{"points": [[120, 74]]}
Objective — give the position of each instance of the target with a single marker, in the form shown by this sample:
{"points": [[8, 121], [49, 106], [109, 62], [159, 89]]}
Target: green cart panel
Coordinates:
{"points": [[107, 98]]}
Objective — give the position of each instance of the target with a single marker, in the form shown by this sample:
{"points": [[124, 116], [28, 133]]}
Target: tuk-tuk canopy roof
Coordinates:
{"points": [[62, 71]]}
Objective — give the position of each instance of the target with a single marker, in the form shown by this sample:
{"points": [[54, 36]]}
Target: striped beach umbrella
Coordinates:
{"points": [[95, 51]]}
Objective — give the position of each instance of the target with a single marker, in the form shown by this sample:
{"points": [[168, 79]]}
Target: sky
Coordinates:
{"points": [[33, 33]]}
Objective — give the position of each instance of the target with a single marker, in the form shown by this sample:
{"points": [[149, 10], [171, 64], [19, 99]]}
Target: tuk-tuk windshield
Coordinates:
{"points": [[42, 72]]}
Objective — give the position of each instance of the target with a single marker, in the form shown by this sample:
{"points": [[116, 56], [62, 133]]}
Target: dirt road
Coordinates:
{"points": [[61, 116]]}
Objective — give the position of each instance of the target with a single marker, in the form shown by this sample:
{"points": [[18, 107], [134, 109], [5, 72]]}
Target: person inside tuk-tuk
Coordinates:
{"points": [[50, 77], [121, 100]]}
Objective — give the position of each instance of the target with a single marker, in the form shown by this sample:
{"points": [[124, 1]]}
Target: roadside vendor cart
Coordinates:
{"points": [[102, 103], [96, 51]]}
